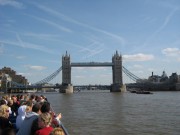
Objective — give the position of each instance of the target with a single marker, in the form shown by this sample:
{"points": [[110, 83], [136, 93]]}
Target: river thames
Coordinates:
{"points": [[105, 113]]}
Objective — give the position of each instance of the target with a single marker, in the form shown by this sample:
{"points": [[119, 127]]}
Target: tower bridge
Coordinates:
{"points": [[116, 65], [66, 85]]}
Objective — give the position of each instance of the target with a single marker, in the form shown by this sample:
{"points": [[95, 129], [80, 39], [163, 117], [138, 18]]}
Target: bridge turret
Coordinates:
{"points": [[66, 74], [66, 69], [117, 72]]}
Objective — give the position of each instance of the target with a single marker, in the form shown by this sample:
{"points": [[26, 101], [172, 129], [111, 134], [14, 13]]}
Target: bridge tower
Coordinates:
{"points": [[117, 73], [66, 75]]}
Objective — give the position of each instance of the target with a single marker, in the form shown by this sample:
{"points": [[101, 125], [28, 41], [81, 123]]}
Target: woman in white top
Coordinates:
{"points": [[21, 116]]}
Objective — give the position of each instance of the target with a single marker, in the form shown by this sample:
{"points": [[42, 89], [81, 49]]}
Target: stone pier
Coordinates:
{"points": [[66, 89]]}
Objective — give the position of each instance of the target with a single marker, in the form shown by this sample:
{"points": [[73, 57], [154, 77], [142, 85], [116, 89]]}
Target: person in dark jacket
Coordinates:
{"points": [[4, 115]]}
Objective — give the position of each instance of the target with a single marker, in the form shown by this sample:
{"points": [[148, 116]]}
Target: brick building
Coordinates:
{"points": [[12, 74]]}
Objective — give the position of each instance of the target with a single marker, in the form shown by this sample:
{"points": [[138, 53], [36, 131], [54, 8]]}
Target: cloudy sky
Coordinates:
{"points": [[35, 34]]}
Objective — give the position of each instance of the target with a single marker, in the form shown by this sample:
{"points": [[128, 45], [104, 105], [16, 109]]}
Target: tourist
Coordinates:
{"points": [[21, 116], [32, 98], [46, 108], [15, 105], [4, 115], [25, 128], [44, 122], [10, 103], [57, 131], [29, 105]]}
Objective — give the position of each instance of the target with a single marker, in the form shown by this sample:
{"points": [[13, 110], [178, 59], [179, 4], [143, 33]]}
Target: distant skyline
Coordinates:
{"points": [[35, 34]]}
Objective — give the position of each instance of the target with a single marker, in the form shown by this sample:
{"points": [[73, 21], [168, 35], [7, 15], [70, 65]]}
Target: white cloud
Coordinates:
{"points": [[178, 59], [92, 49], [166, 21], [138, 66], [1, 51], [152, 69], [25, 74], [12, 3], [37, 67], [28, 45], [171, 52], [106, 75], [1, 48], [78, 76], [139, 72], [71, 20], [41, 35], [52, 24], [138, 57], [20, 57], [20, 40]]}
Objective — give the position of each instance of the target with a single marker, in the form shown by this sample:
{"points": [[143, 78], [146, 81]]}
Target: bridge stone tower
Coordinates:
{"points": [[117, 73], [66, 75]]}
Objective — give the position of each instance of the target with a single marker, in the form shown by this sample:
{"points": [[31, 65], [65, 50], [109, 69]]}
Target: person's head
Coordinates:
{"points": [[8, 131], [44, 120], [29, 105], [21, 97], [5, 97], [10, 102], [14, 98], [2, 102], [4, 111], [37, 108], [57, 131], [22, 110], [45, 107], [32, 97]]}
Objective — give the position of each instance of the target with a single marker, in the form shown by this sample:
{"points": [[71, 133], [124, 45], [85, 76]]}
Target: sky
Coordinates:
{"points": [[35, 34]]}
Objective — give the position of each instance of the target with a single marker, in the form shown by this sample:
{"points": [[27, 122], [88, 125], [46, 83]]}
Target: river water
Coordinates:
{"points": [[106, 113]]}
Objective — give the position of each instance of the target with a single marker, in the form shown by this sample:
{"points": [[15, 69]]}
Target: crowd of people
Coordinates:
{"points": [[32, 115]]}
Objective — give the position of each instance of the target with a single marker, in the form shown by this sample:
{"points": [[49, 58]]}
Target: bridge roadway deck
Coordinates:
{"points": [[92, 64], [39, 87]]}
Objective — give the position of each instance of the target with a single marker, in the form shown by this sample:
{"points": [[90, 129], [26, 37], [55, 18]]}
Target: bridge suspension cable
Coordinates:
{"points": [[130, 75], [49, 78]]}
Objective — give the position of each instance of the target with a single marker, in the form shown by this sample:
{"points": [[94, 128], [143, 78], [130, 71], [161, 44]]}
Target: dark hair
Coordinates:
{"points": [[2, 102], [45, 107], [32, 96], [8, 131], [36, 107]]}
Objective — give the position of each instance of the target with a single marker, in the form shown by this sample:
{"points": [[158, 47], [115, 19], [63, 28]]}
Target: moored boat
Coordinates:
{"points": [[143, 92]]}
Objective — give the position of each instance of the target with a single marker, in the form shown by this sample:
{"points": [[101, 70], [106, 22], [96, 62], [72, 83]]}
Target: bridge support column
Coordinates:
{"points": [[118, 88], [66, 89]]}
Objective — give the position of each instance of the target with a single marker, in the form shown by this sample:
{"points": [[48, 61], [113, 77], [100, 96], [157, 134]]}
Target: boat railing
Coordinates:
{"points": [[61, 124], [65, 130]]}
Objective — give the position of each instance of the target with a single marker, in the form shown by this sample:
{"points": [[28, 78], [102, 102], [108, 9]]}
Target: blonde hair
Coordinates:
{"points": [[57, 131], [3, 111], [46, 118], [10, 102]]}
